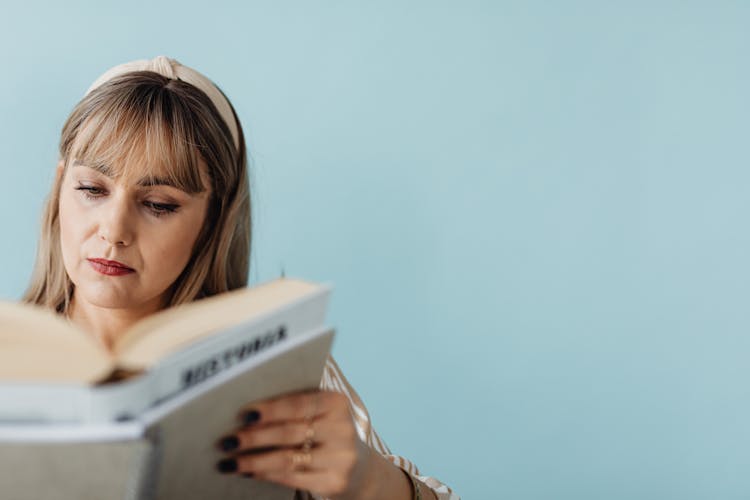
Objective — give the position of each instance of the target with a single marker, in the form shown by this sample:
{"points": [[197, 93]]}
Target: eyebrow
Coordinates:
{"points": [[144, 182]]}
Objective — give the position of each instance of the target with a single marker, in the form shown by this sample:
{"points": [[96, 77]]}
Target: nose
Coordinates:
{"points": [[116, 224]]}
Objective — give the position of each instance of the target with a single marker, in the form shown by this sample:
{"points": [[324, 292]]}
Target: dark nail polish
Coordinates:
{"points": [[227, 465], [228, 443], [250, 417], [248, 474]]}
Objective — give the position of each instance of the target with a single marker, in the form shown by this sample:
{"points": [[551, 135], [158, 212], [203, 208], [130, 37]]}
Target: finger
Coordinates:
{"points": [[286, 461], [298, 406], [287, 434], [278, 461]]}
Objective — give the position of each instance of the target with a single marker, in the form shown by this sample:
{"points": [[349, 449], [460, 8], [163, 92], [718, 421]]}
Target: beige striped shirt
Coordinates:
{"points": [[334, 380]]}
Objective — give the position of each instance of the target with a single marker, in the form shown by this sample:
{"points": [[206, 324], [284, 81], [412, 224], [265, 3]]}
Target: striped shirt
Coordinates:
{"points": [[334, 380]]}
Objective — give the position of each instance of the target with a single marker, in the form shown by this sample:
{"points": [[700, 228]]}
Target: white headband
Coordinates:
{"points": [[176, 71]]}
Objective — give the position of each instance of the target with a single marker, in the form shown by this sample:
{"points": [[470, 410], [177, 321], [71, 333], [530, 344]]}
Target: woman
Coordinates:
{"points": [[150, 208]]}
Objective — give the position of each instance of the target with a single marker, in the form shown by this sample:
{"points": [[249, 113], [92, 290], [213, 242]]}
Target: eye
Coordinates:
{"points": [[90, 192], [156, 209], [160, 209]]}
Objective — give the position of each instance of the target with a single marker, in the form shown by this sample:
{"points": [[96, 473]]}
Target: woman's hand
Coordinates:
{"points": [[306, 441]]}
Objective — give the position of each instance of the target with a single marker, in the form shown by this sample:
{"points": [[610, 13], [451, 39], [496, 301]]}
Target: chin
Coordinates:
{"points": [[109, 299]]}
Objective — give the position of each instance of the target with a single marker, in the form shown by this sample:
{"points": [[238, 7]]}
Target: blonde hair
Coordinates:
{"points": [[169, 127]]}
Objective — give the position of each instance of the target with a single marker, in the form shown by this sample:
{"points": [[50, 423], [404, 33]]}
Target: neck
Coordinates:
{"points": [[108, 325]]}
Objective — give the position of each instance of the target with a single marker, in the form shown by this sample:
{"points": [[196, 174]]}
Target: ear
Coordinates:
{"points": [[59, 169]]}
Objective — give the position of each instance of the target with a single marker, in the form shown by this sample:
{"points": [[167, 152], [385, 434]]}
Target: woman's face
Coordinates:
{"points": [[150, 229]]}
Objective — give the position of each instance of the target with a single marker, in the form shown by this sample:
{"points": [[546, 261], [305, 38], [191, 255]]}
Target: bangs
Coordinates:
{"points": [[141, 134]]}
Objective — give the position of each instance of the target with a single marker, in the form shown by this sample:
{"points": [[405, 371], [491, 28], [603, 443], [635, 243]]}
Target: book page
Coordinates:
{"points": [[37, 345]]}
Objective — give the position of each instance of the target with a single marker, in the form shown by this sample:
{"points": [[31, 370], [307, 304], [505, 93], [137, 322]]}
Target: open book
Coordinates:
{"points": [[79, 422]]}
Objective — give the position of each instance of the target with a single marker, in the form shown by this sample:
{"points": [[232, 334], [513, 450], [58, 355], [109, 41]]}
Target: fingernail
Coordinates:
{"points": [[226, 465], [250, 417], [228, 443]]}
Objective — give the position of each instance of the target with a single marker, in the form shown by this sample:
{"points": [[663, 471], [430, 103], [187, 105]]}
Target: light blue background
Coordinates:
{"points": [[534, 214]]}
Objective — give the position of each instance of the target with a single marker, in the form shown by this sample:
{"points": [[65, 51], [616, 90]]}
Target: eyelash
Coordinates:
{"points": [[157, 209]]}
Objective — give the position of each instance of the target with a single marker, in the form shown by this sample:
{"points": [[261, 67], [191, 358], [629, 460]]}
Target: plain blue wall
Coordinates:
{"points": [[534, 214]]}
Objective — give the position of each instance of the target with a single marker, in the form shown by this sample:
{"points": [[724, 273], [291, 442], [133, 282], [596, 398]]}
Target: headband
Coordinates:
{"points": [[172, 69]]}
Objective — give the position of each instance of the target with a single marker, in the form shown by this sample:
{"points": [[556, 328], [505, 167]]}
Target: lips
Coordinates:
{"points": [[110, 267]]}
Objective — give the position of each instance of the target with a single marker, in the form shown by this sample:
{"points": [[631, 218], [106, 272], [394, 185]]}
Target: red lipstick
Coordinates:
{"points": [[110, 267]]}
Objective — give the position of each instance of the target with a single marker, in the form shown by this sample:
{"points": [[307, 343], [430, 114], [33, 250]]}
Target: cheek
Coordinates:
{"points": [[168, 250]]}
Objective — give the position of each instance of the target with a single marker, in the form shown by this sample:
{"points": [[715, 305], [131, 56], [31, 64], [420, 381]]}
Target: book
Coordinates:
{"points": [[74, 428], [162, 354]]}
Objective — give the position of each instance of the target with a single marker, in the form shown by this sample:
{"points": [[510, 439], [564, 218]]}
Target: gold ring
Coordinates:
{"points": [[310, 433], [309, 441], [301, 461]]}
